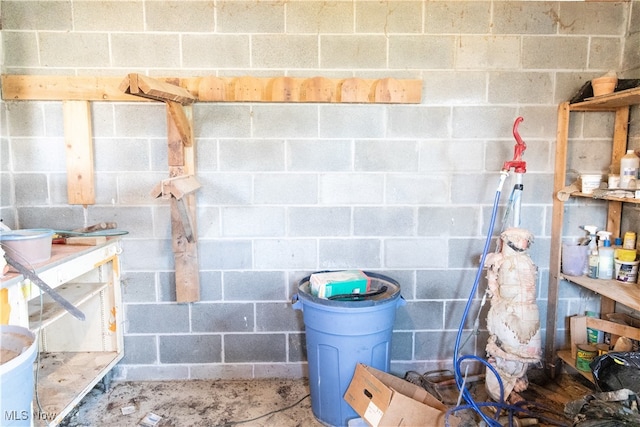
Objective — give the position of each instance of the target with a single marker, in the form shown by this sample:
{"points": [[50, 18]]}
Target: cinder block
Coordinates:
{"points": [[141, 120], [225, 189], [243, 348], [231, 120], [144, 50], [417, 189], [593, 18], [555, 52], [41, 15], [488, 52], [120, 154], [420, 315], [108, 15], [319, 221], [180, 16], [418, 122], [73, 49], [352, 121], [253, 17], [138, 287], [457, 17], [286, 189], [141, 350], [402, 346], [251, 155], [213, 51], [452, 156], [357, 189], [285, 121], [282, 50], [349, 253], [276, 316], [259, 221], [20, 49], [444, 284], [31, 189], [285, 254], [393, 16], [319, 155], [297, 347], [319, 17], [353, 51], [225, 254], [227, 317], [525, 18], [190, 348], [448, 221], [422, 52], [384, 221], [254, 286], [157, 318], [527, 88], [415, 253], [396, 156]]}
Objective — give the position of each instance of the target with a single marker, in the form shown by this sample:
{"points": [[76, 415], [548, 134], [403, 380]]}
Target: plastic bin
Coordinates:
{"points": [[341, 334], [19, 347]]}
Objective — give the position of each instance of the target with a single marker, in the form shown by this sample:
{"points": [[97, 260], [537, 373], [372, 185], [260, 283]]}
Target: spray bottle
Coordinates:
{"points": [[605, 256], [593, 251]]}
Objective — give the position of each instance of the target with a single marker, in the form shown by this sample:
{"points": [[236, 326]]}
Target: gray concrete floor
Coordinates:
{"points": [[198, 403]]}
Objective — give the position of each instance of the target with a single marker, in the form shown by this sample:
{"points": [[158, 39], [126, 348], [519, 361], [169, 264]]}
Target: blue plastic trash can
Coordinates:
{"points": [[339, 335]]}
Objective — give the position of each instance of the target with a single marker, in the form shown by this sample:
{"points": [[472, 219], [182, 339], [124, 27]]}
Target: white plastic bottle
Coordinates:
{"points": [[629, 165], [605, 256]]}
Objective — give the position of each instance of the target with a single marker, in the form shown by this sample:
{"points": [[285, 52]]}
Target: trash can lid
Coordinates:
{"points": [[383, 290]]}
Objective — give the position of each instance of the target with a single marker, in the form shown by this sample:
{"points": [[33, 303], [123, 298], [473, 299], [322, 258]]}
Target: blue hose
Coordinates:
{"points": [[456, 360]]}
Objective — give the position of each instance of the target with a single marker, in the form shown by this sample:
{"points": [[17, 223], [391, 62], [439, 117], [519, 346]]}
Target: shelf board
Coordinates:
{"points": [[65, 378], [565, 355], [608, 102], [607, 198], [625, 293], [75, 293]]}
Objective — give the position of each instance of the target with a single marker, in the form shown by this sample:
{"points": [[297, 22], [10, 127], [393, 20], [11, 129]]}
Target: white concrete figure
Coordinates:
{"points": [[513, 320]]}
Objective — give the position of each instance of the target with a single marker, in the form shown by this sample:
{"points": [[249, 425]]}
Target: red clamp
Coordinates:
{"points": [[517, 163]]}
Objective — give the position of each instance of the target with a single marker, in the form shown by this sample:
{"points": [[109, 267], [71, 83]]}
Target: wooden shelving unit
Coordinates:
{"points": [[73, 355], [611, 292]]}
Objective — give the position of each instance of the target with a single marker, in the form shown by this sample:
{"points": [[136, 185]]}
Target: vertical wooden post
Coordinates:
{"points": [[185, 250], [79, 149]]}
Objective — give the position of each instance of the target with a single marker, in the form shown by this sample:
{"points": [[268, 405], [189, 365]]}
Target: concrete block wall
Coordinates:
{"points": [[288, 189]]}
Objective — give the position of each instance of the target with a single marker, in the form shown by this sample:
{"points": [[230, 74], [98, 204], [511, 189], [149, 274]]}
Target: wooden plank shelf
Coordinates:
{"points": [[566, 357], [609, 102], [607, 198], [627, 293], [64, 378], [386, 90], [75, 293]]}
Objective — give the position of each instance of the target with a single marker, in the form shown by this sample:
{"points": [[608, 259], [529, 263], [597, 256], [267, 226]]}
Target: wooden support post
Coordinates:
{"points": [[79, 149], [183, 234]]}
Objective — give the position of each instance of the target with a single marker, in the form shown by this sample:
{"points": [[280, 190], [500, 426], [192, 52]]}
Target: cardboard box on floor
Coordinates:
{"points": [[383, 399]]}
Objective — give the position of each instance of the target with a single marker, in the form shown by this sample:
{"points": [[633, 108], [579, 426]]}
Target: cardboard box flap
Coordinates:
{"points": [[382, 399], [372, 388], [408, 389]]}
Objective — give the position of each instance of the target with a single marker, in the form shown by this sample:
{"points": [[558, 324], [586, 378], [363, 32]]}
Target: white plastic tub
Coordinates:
{"points": [[29, 246]]}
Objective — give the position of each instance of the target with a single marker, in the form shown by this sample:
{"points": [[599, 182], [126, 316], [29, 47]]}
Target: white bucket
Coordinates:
{"points": [[19, 348], [590, 182], [627, 271]]}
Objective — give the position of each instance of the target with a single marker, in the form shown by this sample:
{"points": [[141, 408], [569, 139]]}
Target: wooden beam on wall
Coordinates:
{"points": [[216, 89], [78, 141]]}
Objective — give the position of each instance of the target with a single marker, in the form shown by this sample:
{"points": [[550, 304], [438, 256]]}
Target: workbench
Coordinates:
{"points": [[74, 355]]}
